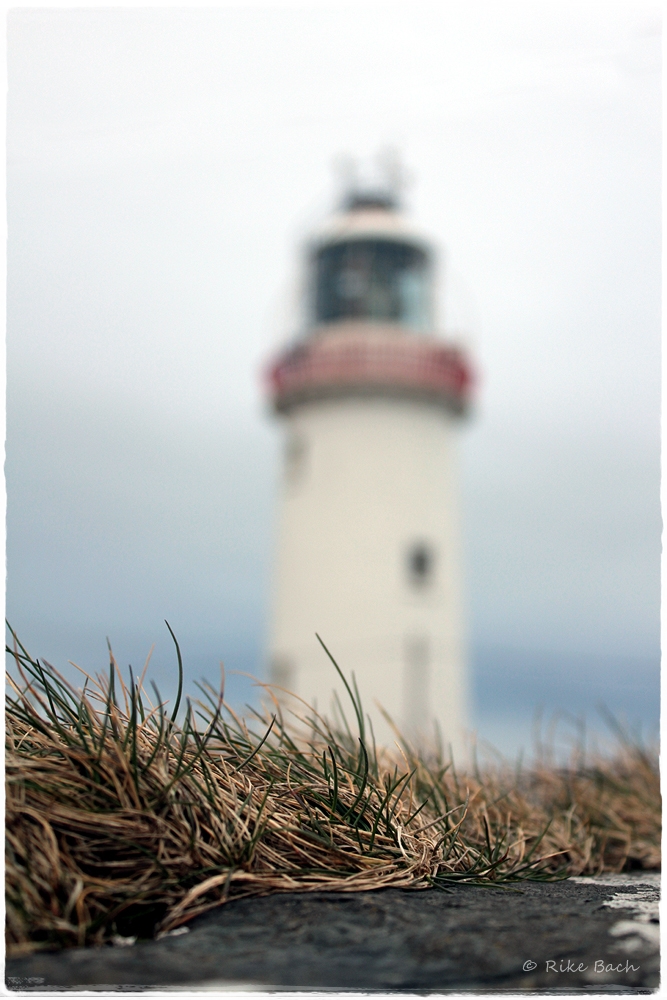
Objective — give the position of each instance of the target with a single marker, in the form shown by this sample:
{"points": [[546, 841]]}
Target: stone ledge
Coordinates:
{"points": [[531, 937]]}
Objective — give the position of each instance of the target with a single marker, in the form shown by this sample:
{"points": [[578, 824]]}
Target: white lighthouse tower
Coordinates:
{"points": [[369, 550]]}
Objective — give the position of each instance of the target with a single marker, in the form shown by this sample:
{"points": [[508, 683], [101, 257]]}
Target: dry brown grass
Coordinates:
{"points": [[121, 821]]}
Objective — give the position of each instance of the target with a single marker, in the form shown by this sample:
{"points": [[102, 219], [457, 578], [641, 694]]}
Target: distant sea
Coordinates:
{"points": [[521, 698], [517, 697]]}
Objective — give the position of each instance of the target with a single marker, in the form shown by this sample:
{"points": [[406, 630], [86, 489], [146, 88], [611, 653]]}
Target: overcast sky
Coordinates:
{"points": [[164, 167]]}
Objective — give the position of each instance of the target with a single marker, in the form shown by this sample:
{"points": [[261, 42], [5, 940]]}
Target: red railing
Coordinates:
{"points": [[323, 365]]}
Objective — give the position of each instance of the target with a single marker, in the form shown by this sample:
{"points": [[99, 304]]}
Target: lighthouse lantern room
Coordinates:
{"points": [[369, 542]]}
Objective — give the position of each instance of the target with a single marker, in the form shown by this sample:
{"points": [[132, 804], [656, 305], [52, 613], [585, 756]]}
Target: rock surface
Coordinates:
{"points": [[581, 935]]}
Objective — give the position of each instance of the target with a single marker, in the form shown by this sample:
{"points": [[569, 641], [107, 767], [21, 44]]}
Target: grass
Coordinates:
{"points": [[122, 820]]}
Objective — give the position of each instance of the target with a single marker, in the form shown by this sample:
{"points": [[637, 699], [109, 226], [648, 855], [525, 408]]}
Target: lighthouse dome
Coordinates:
{"points": [[365, 215]]}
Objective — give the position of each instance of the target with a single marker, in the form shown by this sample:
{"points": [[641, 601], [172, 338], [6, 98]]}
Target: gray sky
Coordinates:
{"points": [[163, 167]]}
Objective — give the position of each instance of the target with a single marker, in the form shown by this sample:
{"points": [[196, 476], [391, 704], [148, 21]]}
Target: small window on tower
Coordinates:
{"points": [[421, 562]]}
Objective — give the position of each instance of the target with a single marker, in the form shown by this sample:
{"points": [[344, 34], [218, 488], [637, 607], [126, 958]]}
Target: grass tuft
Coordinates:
{"points": [[122, 821]]}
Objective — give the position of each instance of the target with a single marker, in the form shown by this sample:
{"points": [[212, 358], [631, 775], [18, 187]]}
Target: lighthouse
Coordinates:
{"points": [[369, 549]]}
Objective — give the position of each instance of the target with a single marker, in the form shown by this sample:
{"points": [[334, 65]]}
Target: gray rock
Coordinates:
{"points": [[581, 935]]}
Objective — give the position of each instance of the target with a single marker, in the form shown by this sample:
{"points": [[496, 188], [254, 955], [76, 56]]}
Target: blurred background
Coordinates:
{"points": [[164, 167]]}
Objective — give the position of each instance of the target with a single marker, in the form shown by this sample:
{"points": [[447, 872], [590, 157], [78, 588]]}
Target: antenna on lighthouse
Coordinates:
{"points": [[395, 177], [381, 186]]}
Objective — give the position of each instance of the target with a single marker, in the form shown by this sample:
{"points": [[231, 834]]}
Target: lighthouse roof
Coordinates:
{"points": [[369, 216]]}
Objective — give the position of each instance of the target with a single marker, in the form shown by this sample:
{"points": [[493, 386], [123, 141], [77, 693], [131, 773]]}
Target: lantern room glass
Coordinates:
{"points": [[378, 280]]}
